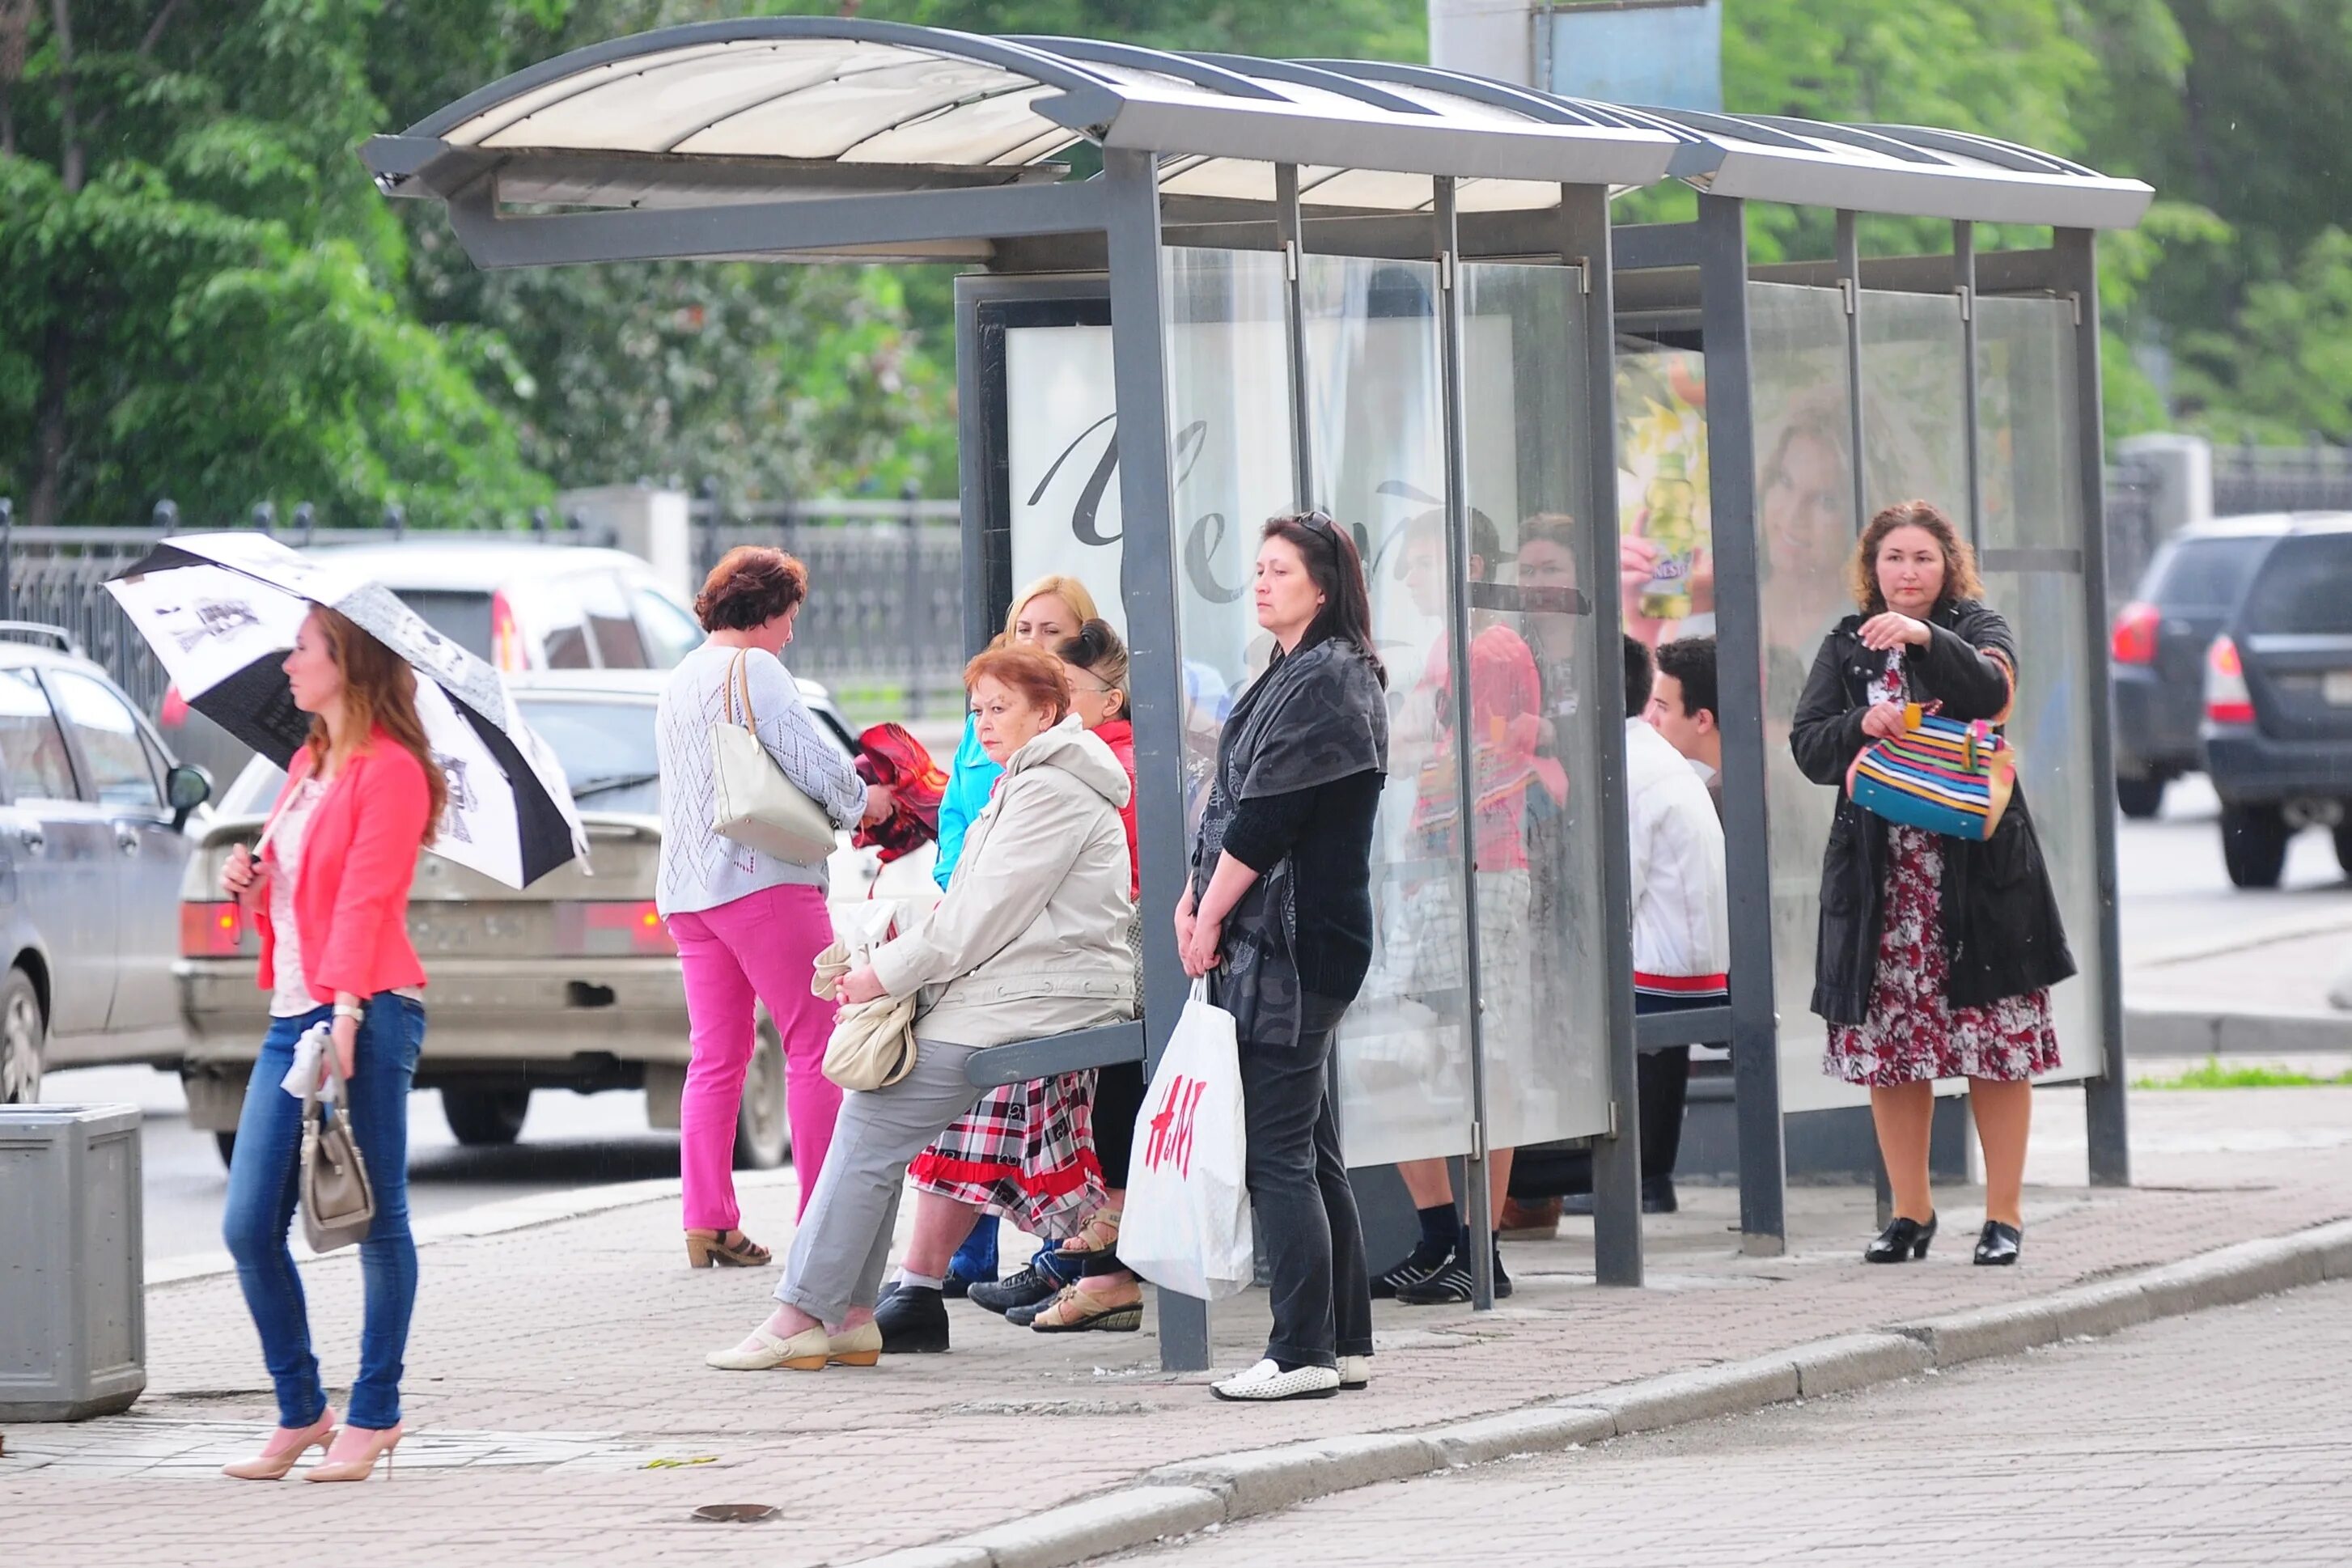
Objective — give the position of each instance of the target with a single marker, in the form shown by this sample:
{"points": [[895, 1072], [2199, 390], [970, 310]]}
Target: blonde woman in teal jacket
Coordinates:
{"points": [[1045, 616]]}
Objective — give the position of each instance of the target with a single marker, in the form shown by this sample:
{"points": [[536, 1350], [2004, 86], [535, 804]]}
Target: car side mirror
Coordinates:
{"points": [[186, 787]]}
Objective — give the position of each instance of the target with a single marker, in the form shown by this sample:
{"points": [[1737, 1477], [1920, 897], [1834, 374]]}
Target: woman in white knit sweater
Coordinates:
{"points": [[748, 926]]}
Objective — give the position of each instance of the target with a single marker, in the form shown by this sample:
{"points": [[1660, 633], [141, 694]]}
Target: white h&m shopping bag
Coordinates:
{"points": [[1187, 1223]]}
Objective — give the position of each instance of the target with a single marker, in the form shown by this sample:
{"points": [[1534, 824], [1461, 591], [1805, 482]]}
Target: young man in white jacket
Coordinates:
{"points": [[1682, 937], [1682, 946]]}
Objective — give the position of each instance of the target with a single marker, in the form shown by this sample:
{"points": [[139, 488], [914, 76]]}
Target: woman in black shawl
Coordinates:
{"points": [[1280, 909]]}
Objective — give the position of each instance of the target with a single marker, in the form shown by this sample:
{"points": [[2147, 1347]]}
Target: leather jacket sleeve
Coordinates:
{"points": [[1827, 730], [1972, 678]]}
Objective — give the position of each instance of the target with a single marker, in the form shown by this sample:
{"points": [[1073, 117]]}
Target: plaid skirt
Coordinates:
{"points": [[1025, 1153]]}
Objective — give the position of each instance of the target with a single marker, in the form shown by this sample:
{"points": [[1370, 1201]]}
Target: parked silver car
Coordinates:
{"points": [[96, 832], [570, 983]]}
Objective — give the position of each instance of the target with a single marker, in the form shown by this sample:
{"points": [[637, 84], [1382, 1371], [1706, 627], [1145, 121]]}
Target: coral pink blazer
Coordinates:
{"points": [[351, 891]]}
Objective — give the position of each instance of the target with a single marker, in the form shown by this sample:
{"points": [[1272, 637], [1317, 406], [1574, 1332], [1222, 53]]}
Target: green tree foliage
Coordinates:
{"points": [[194, 287]]}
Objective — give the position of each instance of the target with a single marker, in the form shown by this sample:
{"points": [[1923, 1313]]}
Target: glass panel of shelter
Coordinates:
{"points": [[1534, 670], [2032, 540], [1805, 523], [1375, 411]]}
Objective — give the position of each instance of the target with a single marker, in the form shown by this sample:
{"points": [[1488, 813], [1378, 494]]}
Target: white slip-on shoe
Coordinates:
{"points": [[1355, 1374], [1267, 1382], [805, 1351]]}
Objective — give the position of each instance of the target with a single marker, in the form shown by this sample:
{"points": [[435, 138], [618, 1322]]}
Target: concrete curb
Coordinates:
{"points": [[1204, 1493], [2172, 1032]]}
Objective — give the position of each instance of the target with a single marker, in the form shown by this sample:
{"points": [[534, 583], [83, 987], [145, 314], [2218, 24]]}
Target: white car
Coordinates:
{"points": [[521, 606], [570, 983]]}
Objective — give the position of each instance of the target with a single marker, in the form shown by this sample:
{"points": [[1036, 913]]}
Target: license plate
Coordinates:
{"points": [[2336, 686]]}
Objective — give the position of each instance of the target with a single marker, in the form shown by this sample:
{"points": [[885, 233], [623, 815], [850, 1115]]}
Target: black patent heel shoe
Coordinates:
{"points": [[1901, 1242], [2000, 1243]]}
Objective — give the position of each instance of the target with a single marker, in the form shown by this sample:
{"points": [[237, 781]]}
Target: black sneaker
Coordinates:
{"points": [[1029, 1287], [1657, 1197], [1449, 1284], [914, 1321], [1419, 1264]]}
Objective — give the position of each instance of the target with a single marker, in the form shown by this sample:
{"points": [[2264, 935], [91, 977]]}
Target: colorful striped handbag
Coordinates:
{"points": [[1940, 774]]}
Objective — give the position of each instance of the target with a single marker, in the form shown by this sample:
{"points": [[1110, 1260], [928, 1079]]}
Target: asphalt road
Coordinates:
{"points": [[2175, 895], [570, 1141], [2218, 1437]]}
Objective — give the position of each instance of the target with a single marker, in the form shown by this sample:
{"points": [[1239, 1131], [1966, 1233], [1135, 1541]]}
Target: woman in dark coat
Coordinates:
{"points": [[1280, 909], [1936, 955]]}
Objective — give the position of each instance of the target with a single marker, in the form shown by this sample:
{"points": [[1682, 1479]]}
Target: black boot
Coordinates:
{"points": [[913, 1320]]}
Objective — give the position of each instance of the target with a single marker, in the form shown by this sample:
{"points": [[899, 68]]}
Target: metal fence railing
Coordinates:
{"points": [[57, 576], [2133, 530], [884, 620], [2281, 478], [883, 625]]}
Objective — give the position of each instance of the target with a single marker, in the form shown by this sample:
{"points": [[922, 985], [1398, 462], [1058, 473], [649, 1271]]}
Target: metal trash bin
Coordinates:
{"points": [[73, 1312]]}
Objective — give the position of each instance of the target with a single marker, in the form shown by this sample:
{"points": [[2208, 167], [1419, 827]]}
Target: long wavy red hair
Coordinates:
{"points": [[378, 693]]}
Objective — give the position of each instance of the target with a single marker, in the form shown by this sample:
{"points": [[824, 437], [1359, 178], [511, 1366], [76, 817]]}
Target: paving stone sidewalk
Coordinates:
{"points": [[555, 1373]]}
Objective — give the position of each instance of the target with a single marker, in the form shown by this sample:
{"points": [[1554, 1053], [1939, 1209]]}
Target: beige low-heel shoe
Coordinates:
{"points": [[808, 1351], [861, 1346]]}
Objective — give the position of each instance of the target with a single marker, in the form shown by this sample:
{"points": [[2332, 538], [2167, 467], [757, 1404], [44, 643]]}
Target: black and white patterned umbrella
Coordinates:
{"points": [[221, 611]]}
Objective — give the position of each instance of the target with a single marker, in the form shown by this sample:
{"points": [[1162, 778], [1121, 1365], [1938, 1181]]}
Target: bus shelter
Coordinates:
{"points": [[1832, 389], [1247, 283]]}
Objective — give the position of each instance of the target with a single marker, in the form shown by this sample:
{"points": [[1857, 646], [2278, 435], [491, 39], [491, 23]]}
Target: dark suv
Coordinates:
{"points": [[2278, 700], [2158, 651]]}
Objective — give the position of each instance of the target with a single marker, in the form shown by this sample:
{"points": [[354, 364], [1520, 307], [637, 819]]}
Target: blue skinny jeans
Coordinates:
{"points": [[261, 1197]]}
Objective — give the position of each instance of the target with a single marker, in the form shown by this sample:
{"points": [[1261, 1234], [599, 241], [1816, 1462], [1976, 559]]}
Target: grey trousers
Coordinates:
{"points": [[844, 1241]]}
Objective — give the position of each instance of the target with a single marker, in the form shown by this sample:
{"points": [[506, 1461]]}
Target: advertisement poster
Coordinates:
{"points": [[1661, 480]]}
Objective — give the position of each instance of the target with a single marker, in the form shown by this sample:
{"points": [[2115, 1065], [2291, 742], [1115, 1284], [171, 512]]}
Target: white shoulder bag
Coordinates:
{"points": [[752, 801]]}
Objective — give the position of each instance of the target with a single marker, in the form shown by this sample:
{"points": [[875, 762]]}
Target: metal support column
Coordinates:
{"points": [[1739, 686], [1849, 271], [1148, 587], [2103, 1108], [1585, 242], [1476, 1201], [1292, 230], [1964, 286]]}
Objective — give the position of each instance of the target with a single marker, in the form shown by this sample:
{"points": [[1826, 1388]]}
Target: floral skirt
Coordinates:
{"points": [[1914, 1034], [1025, 1153]]}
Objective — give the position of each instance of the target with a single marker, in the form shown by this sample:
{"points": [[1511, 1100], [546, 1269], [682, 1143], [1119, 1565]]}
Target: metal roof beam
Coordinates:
{"points": [[819, 223]]}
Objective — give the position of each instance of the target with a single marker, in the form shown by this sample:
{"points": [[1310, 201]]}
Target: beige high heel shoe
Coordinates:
{"points": [[266, 1466], [725, 1249], [378, 1447]]}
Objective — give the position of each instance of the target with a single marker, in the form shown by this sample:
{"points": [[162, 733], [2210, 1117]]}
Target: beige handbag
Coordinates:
{"points": [[873, 1043], [338, 1202], [752, 801]]}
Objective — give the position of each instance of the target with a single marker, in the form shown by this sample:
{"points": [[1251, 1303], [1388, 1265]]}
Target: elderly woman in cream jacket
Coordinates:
{"points": [[1030, 940]]}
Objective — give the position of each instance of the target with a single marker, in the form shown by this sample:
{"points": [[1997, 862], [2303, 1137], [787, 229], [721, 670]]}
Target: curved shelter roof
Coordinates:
{"points": [[758, 110]]}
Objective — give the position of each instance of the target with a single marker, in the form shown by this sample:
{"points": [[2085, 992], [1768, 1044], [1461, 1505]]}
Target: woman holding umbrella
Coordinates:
{"points": [[329, 895]]}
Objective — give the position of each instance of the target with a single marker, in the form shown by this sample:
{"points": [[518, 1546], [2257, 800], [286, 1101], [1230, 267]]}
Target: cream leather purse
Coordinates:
{"points": [[752, 801]]}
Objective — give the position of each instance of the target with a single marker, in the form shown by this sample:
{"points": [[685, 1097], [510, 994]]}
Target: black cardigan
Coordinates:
{"points": [[2001, 930], [1327, 831]]}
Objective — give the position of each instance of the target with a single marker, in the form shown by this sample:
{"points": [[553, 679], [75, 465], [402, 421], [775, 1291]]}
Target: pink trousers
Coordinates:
{"points": [[763, 946]]}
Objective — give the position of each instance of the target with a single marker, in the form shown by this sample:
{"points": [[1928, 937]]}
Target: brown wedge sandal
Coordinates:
{"points": [[724, 1249]]}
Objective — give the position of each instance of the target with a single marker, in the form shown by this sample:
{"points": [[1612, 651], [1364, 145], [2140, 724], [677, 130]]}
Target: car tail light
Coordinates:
{"points": [[2134, 634], [595, 927], [175, 710], [211, 930], [506, 637], [2227, 698]]}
